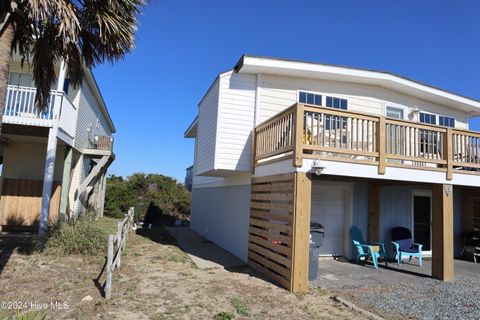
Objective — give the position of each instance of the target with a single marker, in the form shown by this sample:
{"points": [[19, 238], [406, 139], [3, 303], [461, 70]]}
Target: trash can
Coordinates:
{"points": [[317, 233]]}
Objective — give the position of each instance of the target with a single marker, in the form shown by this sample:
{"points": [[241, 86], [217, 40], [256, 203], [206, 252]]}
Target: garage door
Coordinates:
{"points": [[328, 209]]}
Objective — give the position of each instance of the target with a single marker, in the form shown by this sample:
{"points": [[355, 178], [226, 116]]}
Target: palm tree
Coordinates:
{"points": [[45, 32], [79, 32]]}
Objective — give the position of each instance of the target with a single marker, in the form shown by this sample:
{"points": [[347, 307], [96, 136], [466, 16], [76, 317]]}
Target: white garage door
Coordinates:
{"points": [[328, 209]]}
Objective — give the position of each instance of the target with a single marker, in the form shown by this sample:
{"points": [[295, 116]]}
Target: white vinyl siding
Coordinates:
{"points": [[279, 92], [207, 131], [235, 122], [90, 117]]}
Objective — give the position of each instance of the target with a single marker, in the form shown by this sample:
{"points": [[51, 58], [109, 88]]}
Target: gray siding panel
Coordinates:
{"points": [[221, 215]]}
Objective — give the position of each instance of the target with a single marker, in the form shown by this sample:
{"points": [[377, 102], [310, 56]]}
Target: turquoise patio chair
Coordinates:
{"points": [[403, 245], [373, 250]]}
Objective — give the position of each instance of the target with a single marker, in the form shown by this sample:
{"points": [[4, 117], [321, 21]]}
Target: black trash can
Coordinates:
{"points": [[317, 233]]}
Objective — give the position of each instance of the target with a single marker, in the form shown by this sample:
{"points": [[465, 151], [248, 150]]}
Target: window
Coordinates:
{"points": [[336, 103], [446, 121], [428, 118], [310, 98], [428, 140], [393, 112]]}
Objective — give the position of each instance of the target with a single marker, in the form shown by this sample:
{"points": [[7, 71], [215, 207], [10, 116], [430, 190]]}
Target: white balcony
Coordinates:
{"points": [[20, 109]]}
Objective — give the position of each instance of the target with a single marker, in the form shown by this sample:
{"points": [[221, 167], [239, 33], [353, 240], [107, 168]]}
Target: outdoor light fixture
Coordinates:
{"points": [[317, 167]]}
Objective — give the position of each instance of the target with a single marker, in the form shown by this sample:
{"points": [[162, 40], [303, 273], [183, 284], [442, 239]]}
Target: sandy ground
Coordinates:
{"points": [[156, 281]]}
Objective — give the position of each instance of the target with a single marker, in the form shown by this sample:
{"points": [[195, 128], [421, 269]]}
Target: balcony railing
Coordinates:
{"points": [[20, 109], [303, 131]]}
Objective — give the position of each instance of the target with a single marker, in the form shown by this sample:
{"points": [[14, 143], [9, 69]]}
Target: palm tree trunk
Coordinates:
{"points": [[6, 37]]}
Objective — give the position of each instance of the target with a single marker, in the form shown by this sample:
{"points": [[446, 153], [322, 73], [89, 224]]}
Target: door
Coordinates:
{"points": [[330, 208], [422, 218]]}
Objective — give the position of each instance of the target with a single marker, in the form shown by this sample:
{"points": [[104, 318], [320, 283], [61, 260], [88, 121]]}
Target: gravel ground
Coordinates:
{"points": [[427, 299], [408, 290]]}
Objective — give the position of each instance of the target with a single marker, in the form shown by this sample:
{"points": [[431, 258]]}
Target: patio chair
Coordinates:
{"points": [[403, 245], [373, 250]]}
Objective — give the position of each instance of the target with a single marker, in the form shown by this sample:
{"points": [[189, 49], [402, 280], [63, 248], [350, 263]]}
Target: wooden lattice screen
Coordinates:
{"points": [[278, 232]]}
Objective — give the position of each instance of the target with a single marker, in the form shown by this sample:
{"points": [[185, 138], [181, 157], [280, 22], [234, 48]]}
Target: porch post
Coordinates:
{"points": [[301, 231], [47, 184], [442, 232], [373, 212], [61, 76], [67, 168]]}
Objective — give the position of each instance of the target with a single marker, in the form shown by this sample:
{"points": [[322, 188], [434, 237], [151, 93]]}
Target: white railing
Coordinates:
{"points": [[20, 109], [68, 116]]}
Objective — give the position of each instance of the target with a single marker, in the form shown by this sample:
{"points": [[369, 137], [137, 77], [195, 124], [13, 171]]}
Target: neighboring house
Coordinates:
{"points": [[189, 178], [68, 144], [281, 143]]}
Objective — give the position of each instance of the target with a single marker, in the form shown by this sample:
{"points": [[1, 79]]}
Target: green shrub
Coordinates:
{"points": [[85, 235], [224, 316]]}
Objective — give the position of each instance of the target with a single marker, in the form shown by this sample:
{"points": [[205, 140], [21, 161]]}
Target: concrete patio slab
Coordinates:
{"points": [[204, 253]]}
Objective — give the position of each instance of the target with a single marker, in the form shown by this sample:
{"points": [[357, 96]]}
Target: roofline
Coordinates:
{"points": [[238, 66], [190, 127], [91, 78]]}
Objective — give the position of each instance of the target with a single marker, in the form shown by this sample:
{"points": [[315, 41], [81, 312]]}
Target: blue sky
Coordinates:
{"points": [[153, 93]]}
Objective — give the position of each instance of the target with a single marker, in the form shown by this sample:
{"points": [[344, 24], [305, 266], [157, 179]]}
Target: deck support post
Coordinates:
{"points": [[301, 232], [47, 185], [442, 232], [67, 168], [373, 212], [381, 144], [298, 136]]}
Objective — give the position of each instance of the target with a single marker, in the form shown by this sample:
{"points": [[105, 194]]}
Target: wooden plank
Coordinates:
{"points": [[272, 226], [276, 278], [341, 151], [338, 159], [278, 268], [442, 232], [22, 199], [271, 205], [380, 142], [418, 159], [271, 216], [373, 212], [270, 254], [270, 234], [448, 152], [276, 187], [301, 232], [298, 137], [285, 177], [281, 196], [269, 244], [429, 127], [342, 113]]}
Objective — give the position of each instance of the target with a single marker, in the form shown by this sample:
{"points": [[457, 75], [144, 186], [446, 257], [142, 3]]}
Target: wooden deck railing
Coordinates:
{"points": [[304, 131]]}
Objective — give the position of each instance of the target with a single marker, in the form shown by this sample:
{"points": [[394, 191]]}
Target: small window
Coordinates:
{"points": [[446, 121], [393, 112], [336, 103], [428, 118], [310, 98]]}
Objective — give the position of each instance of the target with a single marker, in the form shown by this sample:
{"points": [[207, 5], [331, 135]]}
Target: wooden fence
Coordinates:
{"points": [[275, 216], [22, 200], [116, 244]]}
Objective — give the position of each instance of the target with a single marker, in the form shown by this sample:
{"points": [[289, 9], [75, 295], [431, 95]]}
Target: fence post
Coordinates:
{"points": [[108, 283]]}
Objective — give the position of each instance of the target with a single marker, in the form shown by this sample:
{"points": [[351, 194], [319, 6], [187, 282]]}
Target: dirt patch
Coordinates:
{"points": [[158, 281]]}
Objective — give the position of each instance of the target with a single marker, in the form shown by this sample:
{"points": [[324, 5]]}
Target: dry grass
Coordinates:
{"points": [[159, 281]]}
